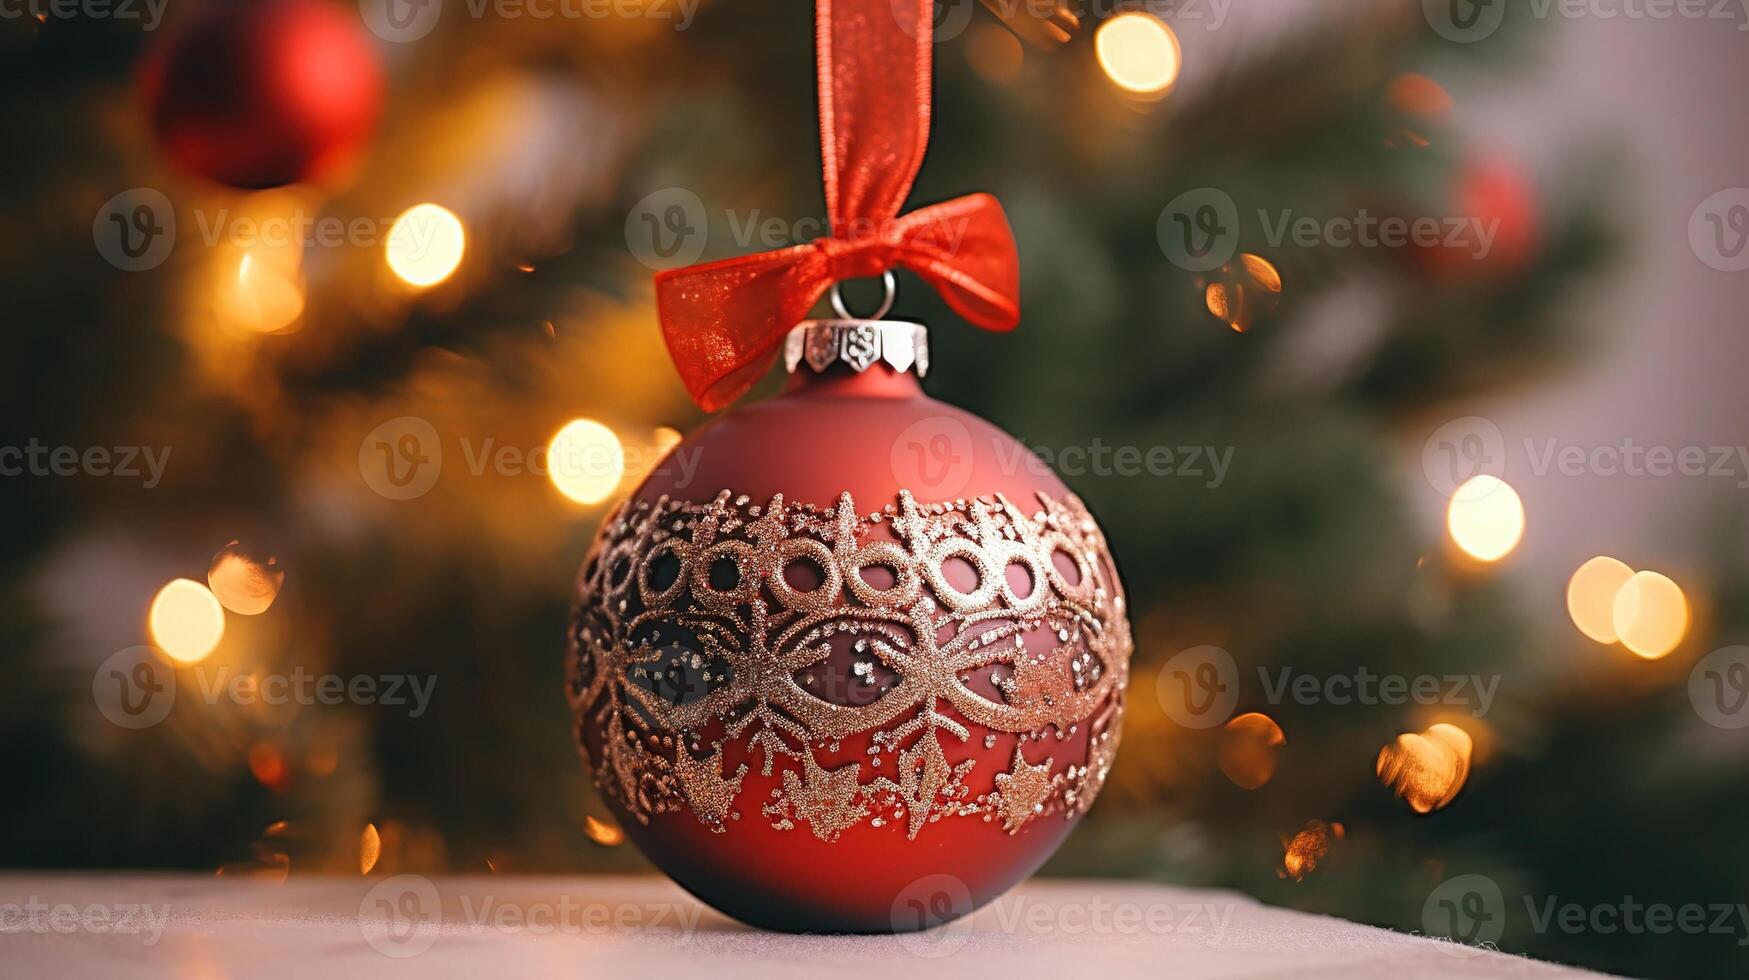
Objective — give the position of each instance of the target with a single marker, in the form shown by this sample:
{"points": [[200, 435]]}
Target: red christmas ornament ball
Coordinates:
{"points": [[851, 659], [1495, 199], [261, 93]]}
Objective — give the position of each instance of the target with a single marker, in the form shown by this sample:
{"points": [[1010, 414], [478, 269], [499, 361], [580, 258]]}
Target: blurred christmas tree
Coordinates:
{"points": [[1308, 368]]}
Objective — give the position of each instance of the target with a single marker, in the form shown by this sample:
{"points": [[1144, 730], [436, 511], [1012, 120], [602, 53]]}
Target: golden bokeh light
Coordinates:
{"points": [[1243, 290], [1139, 53], [602, 832], [1427, 770], [262, 297], [1591, 596], [1483, 737], [1415, 94], [1485, 518], [257, 270], [1262, 271], [243, 582], [425, 245], [1302, 852], [186, 620], [267, 765], [370, 848], [585, 461], [1650, 615], [1250, 746]]}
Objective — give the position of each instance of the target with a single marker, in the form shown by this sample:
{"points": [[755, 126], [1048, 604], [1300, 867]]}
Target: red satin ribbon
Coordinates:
{"points": [[724, 321]]}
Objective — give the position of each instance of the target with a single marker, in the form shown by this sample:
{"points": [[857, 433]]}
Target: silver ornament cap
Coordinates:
{"points": [[856, 342]]}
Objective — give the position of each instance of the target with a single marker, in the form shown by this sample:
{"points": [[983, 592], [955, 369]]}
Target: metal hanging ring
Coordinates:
{"points": [[887, 280]]}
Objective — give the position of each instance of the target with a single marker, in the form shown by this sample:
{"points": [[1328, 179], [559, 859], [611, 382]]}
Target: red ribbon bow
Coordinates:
{"points": [[724, 321]]}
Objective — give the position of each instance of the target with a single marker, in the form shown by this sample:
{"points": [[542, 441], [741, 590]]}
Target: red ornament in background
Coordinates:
{"points": [[260, 93], [1495, 196], [850, 659]]}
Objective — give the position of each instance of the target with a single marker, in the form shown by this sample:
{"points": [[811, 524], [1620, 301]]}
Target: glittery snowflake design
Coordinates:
{"points": [[711, 639]]}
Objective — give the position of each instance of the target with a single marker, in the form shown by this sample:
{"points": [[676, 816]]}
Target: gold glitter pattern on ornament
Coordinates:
{"points": [[713, 639], [703, 783], [829, 802], [1023, 789]]}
